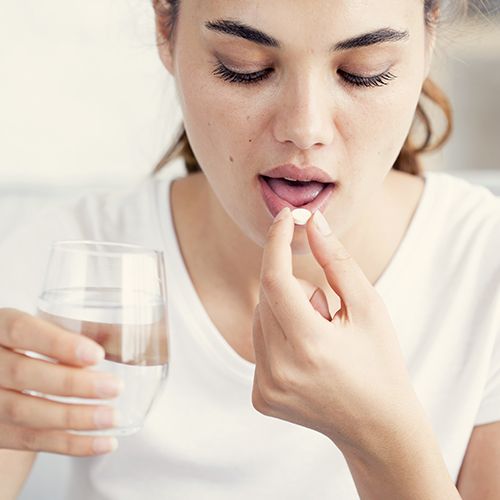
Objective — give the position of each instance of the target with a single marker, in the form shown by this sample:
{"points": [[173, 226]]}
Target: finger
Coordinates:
{"points": [[19, 330], [341, 270], [282, 290], [257, 337], [261, 374], [38, 413], [19, 372], [60, 442]]}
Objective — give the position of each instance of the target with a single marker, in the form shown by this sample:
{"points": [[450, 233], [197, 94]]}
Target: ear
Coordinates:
{"points": [[163, 23]]}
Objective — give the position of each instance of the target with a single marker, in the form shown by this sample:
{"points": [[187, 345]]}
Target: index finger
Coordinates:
{"points": [[282, 290], [20, 330], [343, 273]]}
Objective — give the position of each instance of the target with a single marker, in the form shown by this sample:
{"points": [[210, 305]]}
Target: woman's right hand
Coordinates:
{"points": [[38, 424]]}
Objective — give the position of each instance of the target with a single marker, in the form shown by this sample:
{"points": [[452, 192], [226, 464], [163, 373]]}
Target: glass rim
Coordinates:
{"points": [[91, 246]]}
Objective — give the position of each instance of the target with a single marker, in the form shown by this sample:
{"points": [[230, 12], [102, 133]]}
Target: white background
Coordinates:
{"points": [[84, 98]]}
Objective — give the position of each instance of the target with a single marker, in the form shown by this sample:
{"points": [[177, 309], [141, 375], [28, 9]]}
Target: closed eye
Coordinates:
{"points": [[221, 71]]}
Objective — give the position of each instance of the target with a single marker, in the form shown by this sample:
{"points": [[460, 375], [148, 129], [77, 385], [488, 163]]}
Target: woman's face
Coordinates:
{"points": [[306, 108]]}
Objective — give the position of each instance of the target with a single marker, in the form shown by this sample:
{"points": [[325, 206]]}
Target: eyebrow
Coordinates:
{"points": [[241, 30]]}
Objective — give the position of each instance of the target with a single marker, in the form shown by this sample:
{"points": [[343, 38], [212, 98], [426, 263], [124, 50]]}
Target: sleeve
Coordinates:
{"points": [[489, 409]]}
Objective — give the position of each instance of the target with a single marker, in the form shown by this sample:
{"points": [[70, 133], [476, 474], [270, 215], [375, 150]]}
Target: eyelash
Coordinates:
{"points": [[226, 74]]}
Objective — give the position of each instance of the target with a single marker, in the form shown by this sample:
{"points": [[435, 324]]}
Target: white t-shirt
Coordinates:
{"points": [[203, 439]]}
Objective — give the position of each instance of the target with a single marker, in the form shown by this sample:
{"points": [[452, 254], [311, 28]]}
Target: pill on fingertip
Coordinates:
{"points": [[301, 216]]}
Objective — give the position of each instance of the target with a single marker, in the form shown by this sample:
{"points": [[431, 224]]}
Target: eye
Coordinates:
{"points": [[221, 71], [226, 74], [366, 81]]}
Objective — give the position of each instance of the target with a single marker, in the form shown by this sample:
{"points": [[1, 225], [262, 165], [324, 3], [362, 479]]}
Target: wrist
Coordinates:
{"points": [[404, 465]]}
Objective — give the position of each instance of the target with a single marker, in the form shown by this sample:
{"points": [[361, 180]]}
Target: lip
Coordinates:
{"points": [[304, 174], [275, 204]]}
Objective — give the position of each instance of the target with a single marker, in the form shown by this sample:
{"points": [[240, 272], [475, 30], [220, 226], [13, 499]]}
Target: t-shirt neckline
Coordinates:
{"points": [[212, 338]]}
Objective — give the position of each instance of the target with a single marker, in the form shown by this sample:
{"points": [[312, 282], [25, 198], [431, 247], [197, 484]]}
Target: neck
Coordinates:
{"points": [[230, 261]]}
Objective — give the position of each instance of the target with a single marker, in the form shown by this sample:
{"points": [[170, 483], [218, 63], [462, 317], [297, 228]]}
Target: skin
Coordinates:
{"points": [[304, 114]]}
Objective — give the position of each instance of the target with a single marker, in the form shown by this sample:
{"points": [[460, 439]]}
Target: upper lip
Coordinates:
{"points": [[303, 174]]}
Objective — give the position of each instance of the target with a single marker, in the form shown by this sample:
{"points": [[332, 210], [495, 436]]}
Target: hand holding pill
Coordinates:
{"points": [[312, 369]]}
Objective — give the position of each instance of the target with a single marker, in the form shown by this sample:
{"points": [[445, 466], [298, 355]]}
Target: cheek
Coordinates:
{"points": [[219, 119], [375, 123]]}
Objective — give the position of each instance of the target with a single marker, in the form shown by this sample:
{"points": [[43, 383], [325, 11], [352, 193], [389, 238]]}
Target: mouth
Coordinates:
{"points": [[279, 193]]}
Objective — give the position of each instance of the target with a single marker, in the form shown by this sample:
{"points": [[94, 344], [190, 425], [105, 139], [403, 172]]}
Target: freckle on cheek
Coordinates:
{"points": [[231, 159], [249, 140]]}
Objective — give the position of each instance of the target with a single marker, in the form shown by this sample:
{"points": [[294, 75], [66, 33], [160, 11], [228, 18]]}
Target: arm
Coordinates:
{"points": [[15, 467], [410, 468], [423, 475], [479, 477]]}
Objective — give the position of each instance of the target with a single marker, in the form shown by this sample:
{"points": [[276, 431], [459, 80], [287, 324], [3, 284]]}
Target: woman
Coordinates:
{"points": [[374, 323]]}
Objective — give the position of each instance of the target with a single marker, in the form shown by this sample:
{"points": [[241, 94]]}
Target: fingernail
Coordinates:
{"points": [[106, 418], [321, 223], [89, 353], [108, 387], [282, 215], [104, 445]]}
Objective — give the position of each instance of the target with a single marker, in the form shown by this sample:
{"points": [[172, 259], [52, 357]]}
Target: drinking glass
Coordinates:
{"points": [[115, 294]]}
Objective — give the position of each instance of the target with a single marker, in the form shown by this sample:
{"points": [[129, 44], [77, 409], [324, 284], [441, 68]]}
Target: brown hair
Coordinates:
{"points": [[167, 12]]}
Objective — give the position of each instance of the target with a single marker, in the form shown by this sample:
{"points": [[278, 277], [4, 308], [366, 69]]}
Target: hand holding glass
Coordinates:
{"points": [[116, 295]]}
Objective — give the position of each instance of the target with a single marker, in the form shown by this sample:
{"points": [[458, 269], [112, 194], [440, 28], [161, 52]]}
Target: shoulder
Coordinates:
{"points": [[458, 208], [462, 226], [461, 196]]}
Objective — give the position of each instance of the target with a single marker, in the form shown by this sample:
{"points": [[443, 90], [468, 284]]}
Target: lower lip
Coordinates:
{"points": [[275, 204]]}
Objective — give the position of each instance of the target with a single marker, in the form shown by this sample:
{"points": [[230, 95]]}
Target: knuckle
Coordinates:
{"points": [[30, 439], [67, 446], [339, 254], [68, 383], [17, 329], [71, 418], [281, 379], [259, 403], [268, 395], [17, 374], [270, 281], [53, 344], [311, 354], [75, 446], [12, 411]]}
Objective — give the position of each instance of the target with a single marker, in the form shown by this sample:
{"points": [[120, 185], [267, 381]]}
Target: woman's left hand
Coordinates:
{"points": [[344, 377]]}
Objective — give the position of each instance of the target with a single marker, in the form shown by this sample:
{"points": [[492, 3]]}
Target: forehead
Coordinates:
{"points": [[314, 22]]}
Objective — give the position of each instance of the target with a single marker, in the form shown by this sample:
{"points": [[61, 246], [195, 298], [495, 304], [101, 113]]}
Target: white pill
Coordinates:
{"points": [[301, 216]]}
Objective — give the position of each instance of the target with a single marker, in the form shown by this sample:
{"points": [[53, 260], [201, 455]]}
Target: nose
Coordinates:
{"points": [[303, 113]]}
